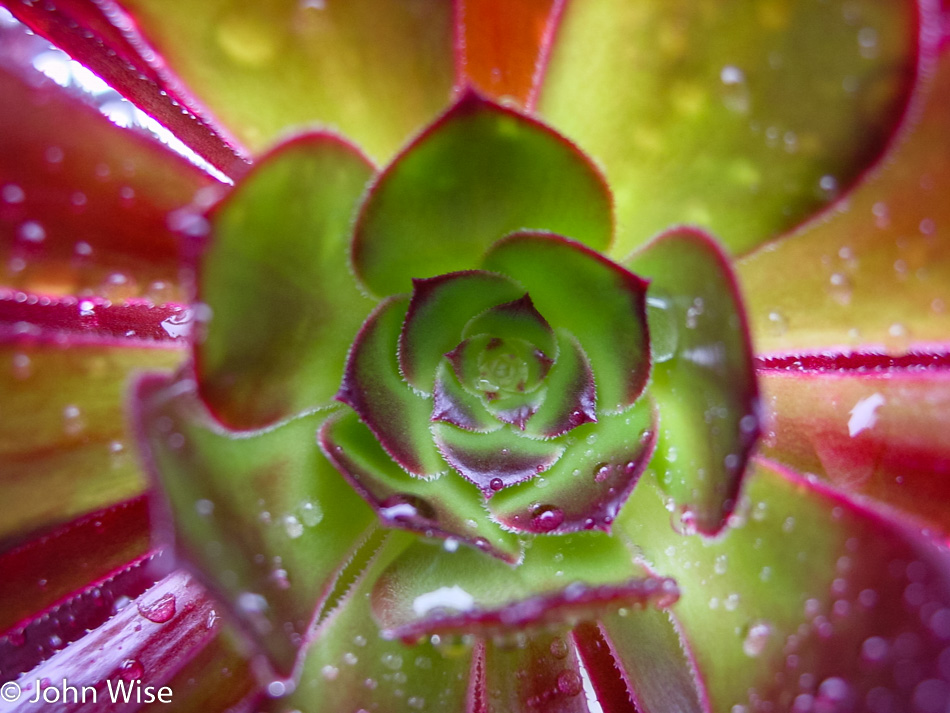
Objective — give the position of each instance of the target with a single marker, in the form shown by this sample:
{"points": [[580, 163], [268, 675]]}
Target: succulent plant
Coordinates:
{"points": [[621, 385]]}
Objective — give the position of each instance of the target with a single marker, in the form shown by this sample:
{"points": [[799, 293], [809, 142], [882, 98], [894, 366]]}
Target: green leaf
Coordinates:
{"points": [[879, 263], [376, 70], [372, 386], [562, 580], [728, 115], [477, 174], [447, 507], [284, 307], [703, 377], [439, 309], [600, 302], [264, 517], [351, 667], [806, 584], [590, 482], [62, 431]]}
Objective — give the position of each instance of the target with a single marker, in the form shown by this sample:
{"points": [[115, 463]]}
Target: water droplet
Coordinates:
{"points": [[546, 518], [496, 484], [31, 232], [12, 193], [292, 526], [601, 472], [131, 670], [735, 91], [569, 683], [330, 672], [159, 611], [311, 514], [558, 648], [757, 638], [204, 507]]}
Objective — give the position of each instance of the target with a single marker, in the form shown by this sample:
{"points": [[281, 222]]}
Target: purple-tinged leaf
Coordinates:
{"points": [[703, 377], [598, 301], [447, 507], [90, 320], [455, 405], [591, 481], [132, 649], [880, 279], [101, 35], [269, 523], [47, 631], [372, 386], [497, 459], [439, 309], [814, 599], [540, 674], [351, 667], [283, 305], [562, 580], [708, 114], [480, 172], [649, 652], [571, 396], [86, 209], [501, 47], [871, 426], [95, 546], [64, 446]]}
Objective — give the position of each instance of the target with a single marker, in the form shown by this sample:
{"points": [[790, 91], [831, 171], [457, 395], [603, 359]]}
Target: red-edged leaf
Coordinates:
{"points": [[265, 518], [90, 320], [646, 647], [703, 378], [539, 674], [600, 302], [501, 47], [284, 308], [497, 171], [84, 205], [377, 71], [873, 272], [571, 397], [812, 599], [562, 580], [875, 430], [497, 459], [590, 482], [101, 35], [439, 309], [446, 507], [372, 386], [95, 545], [707, 113], [145, 644], [350, 666], [47, 631], [63, 444]]}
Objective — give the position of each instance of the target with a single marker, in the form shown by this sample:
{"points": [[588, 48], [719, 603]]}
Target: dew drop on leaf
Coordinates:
{"points": [[159, 611], [131, 670]]}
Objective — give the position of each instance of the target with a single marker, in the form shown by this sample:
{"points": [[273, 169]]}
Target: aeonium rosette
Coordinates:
{"points": [[444, 349]]}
